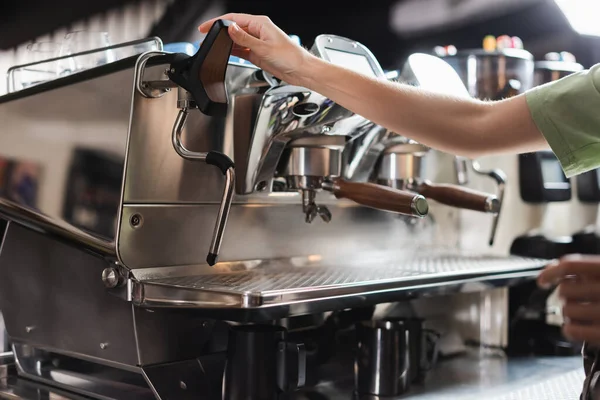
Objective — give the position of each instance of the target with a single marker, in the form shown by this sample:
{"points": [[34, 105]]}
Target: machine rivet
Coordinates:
{"points": [[103, 346], [29, 329], [182, 385], [136, 220], [172, 70], [325, 129], [110, 277]]}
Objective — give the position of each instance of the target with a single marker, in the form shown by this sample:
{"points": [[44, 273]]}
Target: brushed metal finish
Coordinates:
{"points": [[277, 124], [47, 129], [51, 299], [187, 380], [286, 283], [64, 307], [179, 235], [560, 387], [314, 161], [462, 378], [76, 377], [472, 377], [405, 167]]}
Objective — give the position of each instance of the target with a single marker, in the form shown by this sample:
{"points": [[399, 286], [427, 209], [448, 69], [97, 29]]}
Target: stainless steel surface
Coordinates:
{"points": [[462, 171], [472, 377], [15, 388], [68, 309], [500, 178], [229, 173], [48, 130], [309, 206], [177, 196], [382, 360], [112, 278], [292, 283], [118, 51], [186, 380], [80, 378], [279, 122], [489, 75], [4, 347], [402, 163], [549, 71], [7, 364], [463, 378], [314, 161], [267, 230]]}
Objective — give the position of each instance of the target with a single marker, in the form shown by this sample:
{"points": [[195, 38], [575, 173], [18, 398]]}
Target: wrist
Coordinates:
{"points": [[307, 74]]}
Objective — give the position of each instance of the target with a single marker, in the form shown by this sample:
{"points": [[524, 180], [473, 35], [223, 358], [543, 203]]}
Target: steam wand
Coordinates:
{"points": [[500, 177], [215, 158]]}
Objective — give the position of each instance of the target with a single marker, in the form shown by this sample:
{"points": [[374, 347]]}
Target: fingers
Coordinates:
{"points": [[578, 291], [582, 333], [245, 21], [587, 267], [580, 313], [243, 39]]}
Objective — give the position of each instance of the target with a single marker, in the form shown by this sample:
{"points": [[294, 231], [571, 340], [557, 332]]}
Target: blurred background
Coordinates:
{"points": [[392, 29]]}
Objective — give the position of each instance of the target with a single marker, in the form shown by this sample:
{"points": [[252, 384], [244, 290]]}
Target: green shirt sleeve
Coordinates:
{"points": [[567, 112]]}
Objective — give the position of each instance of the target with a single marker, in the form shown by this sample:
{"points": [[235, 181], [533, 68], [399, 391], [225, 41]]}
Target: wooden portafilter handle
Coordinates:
{"points": [[379, 197], [460, 197]]}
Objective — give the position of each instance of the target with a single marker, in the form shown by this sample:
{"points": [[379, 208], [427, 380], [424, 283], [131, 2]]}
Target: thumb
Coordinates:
{"points": [[242, 38]]}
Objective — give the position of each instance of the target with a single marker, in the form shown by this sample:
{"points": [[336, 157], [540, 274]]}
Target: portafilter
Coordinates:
{"points": [[315, 164]]}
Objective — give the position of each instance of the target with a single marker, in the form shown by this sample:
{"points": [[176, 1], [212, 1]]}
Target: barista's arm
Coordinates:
{"points": [[564, 114], [463, 127], [460, 126]]}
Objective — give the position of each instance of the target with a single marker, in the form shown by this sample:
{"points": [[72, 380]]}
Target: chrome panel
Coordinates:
{"points": [[54, 133], [180, 235], [473, 376], [64, 307], [76, 378], [290, 284]]}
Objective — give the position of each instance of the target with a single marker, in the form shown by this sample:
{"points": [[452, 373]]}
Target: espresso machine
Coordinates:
{"points": [[249, 238], [587, 241]]}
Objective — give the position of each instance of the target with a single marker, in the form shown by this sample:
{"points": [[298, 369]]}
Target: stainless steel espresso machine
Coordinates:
{"points": [[242, 243]]}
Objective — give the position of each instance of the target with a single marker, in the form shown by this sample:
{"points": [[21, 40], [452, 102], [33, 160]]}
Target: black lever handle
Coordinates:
{"points": [[203, 74]]}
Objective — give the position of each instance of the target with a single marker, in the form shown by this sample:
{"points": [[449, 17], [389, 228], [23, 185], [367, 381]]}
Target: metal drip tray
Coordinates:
{"points": [[560, 387], [285, 283]]}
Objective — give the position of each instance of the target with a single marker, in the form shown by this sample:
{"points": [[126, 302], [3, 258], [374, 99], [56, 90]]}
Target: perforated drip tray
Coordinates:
{"points": [[289, 283]]}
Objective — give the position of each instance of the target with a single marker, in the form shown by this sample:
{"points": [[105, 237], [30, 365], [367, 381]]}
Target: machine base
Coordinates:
{"points": [[470, 376]]}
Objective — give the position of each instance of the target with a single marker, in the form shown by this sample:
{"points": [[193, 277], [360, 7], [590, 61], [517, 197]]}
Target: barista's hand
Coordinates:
{"points": [[578, 280], [261, 42]]}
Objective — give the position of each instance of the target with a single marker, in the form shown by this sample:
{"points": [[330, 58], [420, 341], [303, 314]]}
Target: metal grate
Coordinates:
{"points": [[560, 387], [284, 277]]}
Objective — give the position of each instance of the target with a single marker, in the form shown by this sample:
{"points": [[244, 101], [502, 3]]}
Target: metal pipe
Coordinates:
{"points": [[229, 173]]}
